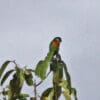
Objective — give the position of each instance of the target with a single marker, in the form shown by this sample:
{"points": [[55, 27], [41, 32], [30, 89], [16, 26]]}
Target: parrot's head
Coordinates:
{"points": [[56, 41]]}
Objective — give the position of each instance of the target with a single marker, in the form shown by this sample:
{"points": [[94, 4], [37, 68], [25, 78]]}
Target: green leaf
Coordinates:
{"points": [[66, 91], [46, 93], [45, 98], [51, 94], [42, 66], [57, 78], [3, 67], [63, 84], [6, 76], [29, 79], [41, 69], [19, 97], [33, 98], [66, 95], [67, 75], [22, 96], [16, 84], [57, 72], [74, 93], [20, 76], [28, 71]]}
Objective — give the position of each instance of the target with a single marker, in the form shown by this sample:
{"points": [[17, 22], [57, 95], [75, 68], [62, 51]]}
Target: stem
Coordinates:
{"points": [[35, 92], [42, 80], [55, 97], [68, 78]]}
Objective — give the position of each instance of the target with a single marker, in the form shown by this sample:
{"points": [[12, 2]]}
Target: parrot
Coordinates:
{"points": [[42, 65], [54, 45]]}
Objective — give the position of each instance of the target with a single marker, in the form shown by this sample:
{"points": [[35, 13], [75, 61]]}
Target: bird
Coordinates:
{"points": [[54, 45], [42, 65]]}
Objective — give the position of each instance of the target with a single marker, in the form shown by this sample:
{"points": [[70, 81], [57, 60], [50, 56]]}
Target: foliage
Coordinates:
{"points": [[16, 83], [53, 61]]}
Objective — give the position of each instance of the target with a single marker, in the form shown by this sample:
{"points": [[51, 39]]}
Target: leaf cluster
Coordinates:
{"points": [[20, 75], [60, 85]]}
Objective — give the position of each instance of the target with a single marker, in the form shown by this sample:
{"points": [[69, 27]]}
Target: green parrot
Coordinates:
{"points": [[42, 65], [54, 45]]}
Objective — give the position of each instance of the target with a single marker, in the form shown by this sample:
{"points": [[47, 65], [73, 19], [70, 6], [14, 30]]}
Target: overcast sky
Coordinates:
{"points": [[28, 26]]}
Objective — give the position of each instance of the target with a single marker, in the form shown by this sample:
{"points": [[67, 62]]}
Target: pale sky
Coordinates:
{"points": [[28, 26]]}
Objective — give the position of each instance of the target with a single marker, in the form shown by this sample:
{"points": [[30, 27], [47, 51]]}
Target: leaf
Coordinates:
{"points": [[19, 97], [74, 93], [16, 84], [63, 84], [29, 71], [66, 95], [57, 78], [29, 79], [67, 75], [33, 98], [22, 96], [20, 76], [3, 67], [6, 76], [57, 72], [43, 65], [46, 93], [41, 69], [51, 94], [66, 91], [45, 98], [4, 92]]}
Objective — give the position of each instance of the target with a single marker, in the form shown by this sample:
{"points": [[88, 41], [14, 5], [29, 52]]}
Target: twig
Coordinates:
{"points": [[44, 79]]}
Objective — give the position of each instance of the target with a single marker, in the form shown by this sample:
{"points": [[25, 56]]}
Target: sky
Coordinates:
{"points": [[28, 26]]}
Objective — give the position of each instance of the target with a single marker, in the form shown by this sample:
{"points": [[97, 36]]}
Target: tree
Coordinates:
{"points": [[56, 65]]}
